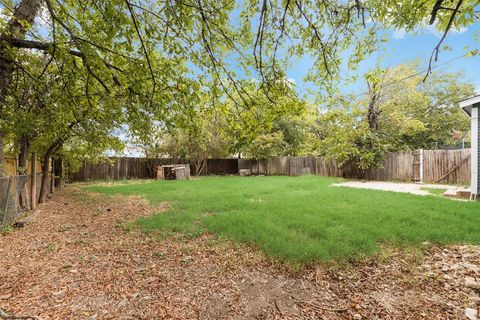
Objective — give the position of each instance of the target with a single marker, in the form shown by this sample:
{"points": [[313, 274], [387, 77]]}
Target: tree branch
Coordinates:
{"points": [[145, 52], [31, 44], [77, 44], [436, 7], [436, 50]]}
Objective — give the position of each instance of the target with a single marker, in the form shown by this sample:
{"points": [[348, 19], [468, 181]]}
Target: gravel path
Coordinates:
{"points": [[75, 259], [397, 187]]}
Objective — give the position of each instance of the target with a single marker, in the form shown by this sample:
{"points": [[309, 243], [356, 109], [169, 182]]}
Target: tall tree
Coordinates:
{"points": [[422, 114], [399, 112], [20, 22]]}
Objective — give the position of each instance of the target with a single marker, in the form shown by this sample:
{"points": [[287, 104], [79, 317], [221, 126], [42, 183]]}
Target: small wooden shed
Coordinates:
{"points": [[173, 172], [471, 107]]}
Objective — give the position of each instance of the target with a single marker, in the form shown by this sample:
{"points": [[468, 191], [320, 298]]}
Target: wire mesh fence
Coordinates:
{"points": [[14, 197]]}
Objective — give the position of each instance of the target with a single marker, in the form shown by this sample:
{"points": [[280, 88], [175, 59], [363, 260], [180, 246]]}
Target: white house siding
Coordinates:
{"points": [[475, 149]]}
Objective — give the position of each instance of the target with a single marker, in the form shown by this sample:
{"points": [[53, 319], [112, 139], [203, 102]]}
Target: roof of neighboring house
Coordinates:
{"points": [[467, 104]]}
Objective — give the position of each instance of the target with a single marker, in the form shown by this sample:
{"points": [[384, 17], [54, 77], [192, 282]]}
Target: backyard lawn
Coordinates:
{"points": [[303, 219]]}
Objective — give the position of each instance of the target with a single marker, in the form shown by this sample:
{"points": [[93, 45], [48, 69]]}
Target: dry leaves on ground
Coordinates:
{"points": [[75, 260]]}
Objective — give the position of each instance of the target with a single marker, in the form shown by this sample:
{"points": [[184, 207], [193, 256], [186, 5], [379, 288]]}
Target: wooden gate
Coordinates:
{"points": [[464, 161], [417, 171]]}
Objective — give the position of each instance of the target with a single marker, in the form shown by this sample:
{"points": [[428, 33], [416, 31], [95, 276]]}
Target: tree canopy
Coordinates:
{"points": [[72, 73]]}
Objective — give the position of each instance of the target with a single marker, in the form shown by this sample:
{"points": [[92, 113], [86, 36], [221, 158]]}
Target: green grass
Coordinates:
{"points": [[304, 219], [434, 191]]}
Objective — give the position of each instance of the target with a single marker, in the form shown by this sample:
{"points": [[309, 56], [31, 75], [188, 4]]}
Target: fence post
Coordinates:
{"points": [[421, 165], [33, 184], [10, 179]]}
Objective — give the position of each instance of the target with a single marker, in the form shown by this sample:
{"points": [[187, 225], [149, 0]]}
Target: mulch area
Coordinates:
{"points": [[75, 260]]}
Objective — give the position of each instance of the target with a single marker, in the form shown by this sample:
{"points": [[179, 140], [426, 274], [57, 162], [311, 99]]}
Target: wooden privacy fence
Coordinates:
{"points": [[396, 166], [120, 168], [144, 168], [430, 166], [16, 195], [447, 166], [11, 165]]}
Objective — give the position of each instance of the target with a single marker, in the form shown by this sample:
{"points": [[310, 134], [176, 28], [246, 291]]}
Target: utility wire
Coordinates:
{"points": [[419, 73]]}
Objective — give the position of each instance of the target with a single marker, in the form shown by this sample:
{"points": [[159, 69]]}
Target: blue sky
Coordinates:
{"points": [[404, 47]]}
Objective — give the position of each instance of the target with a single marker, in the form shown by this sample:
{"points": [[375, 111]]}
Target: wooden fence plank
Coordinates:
{"points": [[397, 166]]}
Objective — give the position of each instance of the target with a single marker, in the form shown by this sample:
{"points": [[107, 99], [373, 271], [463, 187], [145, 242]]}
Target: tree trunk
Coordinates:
{"points": [[3, 172], [44, 182], [58, 173], [373, 112], [372, 117], [23, 155], [22, 169], [52, 177], [33, 184], [45, 169], [25, 12], [200, 166]]}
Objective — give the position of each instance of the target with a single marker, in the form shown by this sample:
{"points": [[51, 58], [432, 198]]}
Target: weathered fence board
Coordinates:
{"points": [[11, 164], [114, 168], [221, 166], [143, 168], [437, 163], [15, 195], [397, 166]]}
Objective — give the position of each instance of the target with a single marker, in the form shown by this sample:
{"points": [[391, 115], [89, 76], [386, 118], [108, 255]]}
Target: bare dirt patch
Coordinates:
{"points": [[414, 188], [74, 260]]}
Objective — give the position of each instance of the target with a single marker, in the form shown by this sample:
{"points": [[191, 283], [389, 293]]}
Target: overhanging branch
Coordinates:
{"points": [[38, 45], [436, 50]]}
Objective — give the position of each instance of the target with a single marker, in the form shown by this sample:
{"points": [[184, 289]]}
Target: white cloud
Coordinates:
{"points": [[460, 30], [427, 29], [433, 30], [399, 34]]}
